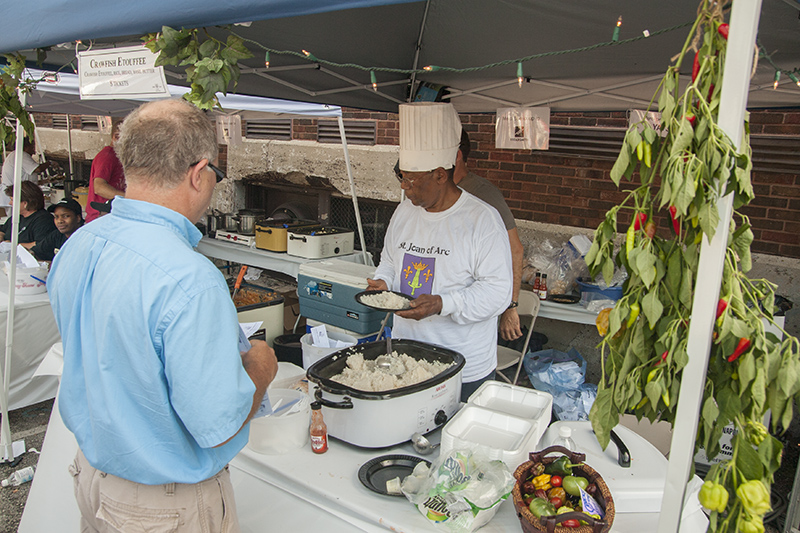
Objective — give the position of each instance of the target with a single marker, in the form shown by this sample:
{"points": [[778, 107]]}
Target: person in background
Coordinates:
{"points": [[486, 191], [30, 170], [446, 248], [154, 387], [34, 222], [107, 177], [68, 217]]}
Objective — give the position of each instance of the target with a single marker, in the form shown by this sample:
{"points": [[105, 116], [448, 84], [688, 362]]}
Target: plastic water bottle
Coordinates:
{"points": [[565, 439], [19, 477]]}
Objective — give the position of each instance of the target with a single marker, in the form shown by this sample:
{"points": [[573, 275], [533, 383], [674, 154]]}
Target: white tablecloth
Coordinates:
{"points": [[35, 332], [297, 492]]}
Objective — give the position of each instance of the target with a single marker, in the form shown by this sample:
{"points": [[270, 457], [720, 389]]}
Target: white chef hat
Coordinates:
{"points": [[429, 136]]}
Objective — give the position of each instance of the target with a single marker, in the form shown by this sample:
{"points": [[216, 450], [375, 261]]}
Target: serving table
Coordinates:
{"points": [[567, 312], [35, 332]]}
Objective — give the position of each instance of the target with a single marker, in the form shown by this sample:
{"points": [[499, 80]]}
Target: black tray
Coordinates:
{"points": [[564, 298], [360, 296], [376, 472]]}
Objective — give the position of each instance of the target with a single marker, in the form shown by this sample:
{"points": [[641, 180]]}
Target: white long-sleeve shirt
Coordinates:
{"points": [[461, 254]]}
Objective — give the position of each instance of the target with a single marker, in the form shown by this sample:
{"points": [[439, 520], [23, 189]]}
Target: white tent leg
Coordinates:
{"points": [[69, 149], [353, 192], [5, 430], [733, 102]]}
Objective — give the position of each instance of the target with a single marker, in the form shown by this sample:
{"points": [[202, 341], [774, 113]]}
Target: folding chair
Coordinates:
{"points": [[528, 309]]}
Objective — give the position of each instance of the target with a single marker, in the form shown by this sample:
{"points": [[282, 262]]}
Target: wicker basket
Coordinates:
{"points": [[531, 524]]}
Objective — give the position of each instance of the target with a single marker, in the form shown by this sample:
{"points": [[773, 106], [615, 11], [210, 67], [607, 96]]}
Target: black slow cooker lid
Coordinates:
{"points": [[323, 370]]}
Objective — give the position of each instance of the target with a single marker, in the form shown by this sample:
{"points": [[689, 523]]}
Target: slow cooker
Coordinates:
{"points": [[380, 419]]}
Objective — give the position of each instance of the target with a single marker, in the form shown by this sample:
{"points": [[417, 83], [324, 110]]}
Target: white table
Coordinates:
{"points": [[298, 492], [567, 312], [35, 332], [251, 256]]}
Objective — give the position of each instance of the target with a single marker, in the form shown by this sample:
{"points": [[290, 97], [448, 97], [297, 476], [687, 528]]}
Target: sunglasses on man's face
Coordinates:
{"points": [[217, 171]]}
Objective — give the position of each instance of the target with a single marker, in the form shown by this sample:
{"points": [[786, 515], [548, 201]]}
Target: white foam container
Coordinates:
{"points": [[25, 284], [288, 374], [275, 435], [528, 404], [498, 435], [312, 354]]}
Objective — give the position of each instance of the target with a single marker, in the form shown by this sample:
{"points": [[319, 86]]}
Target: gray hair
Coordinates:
{"points": [[160, 140]]}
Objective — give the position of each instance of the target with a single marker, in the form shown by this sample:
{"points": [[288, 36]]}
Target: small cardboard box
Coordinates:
{"points": [[291, 310]]}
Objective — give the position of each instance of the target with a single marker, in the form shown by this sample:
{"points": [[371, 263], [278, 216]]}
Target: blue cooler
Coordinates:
{"points": [[327, 289]]}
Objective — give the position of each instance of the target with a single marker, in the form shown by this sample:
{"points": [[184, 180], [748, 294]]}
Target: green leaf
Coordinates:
{"points": [[709, 218], [747, 370], [683, 138], [757, 391], [207, 49], [608, 269], [653, 391], [747, 459], [652, 307], [645, 261], [710, 411], [729, 405], [674, 272], [770, 451], [604, 416], [620, 165], [679, 357], [787, 378], [687, 284]]}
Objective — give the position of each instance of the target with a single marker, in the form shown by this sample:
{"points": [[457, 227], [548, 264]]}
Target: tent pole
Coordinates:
{"points": [[353, 191], [5, 430], [415, 64], [733, 102], [69, 148]]}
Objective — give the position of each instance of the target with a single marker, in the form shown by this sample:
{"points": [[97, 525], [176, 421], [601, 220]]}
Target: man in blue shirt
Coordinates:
{"points": [[154, 387]]}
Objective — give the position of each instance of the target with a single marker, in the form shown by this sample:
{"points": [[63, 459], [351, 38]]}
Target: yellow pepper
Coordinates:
{"points": [[640, 150], [542, 482], [648, 151], [634, 314]]}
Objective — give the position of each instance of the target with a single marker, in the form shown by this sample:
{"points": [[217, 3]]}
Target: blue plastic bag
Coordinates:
{"points": [[562, 375]]}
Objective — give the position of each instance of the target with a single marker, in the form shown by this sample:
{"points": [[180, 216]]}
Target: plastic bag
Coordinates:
{"points": [[461, 491], [562, 375], [563, 265]]}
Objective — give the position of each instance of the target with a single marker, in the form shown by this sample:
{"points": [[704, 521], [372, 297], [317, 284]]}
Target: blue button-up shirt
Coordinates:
{"points": [[153, 378]]}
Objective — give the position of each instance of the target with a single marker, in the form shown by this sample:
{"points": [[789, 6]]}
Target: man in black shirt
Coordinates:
{"points": [[68, 217], [34, 222]]}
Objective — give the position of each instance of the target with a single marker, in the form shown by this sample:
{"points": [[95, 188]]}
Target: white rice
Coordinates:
{"points": [[385, 300], [404, 371]]}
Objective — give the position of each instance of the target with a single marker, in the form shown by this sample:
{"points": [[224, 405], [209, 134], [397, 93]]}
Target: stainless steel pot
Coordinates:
{"points": [[247, 223], [230, 222], [213, 223]]}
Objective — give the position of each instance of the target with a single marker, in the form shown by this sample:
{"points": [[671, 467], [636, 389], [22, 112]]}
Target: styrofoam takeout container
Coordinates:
{"points": [[528, 404], [275, 435], [498, 435]]}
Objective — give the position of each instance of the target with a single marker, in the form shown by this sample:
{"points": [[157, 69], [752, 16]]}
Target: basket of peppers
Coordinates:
{"points": [[547, 494]]}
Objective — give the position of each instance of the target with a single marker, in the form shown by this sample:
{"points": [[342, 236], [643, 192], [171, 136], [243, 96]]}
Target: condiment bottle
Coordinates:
{"points": [[19, 477], [565, 439], [319, 431], [537, 283], [543, 288]]}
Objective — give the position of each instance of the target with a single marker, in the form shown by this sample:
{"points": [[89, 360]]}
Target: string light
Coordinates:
{"points": [[431, 68], [615, 36], [794, 78], [266, 59], [309, 55], [777, 79], [519, 75], [374, 80]]}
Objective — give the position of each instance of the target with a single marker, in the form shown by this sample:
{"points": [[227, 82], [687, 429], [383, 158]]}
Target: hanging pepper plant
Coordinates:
{"points": [[10, 80], [678, 172]]}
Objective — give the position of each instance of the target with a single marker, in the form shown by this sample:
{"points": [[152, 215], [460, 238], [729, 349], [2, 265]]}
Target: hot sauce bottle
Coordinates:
{"points": [[537, 283], [318, 430], [543, 288]]}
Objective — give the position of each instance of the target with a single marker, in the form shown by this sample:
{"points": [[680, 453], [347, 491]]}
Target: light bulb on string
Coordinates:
{"points": [[266, 60], [520, 75], [615, 35], [777, 79], [374, 80], [309, 55], [431, 68], [794, 78]]}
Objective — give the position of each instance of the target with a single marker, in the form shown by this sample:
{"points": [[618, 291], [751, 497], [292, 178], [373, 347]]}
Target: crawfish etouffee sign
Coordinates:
{"points": [[683, 169]]}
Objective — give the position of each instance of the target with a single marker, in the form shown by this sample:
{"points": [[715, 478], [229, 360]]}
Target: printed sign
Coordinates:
{"points": [[523, 128], [120, 73]]}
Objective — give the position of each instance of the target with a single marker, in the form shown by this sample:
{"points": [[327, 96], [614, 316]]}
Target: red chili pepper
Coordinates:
{"points": [[723, 30], [676, 223], [650, 229], [722, 304], [742, 347], [663, 357], [570, 523], [696, 66], [638, 223], [692, 119], [710, 92]]}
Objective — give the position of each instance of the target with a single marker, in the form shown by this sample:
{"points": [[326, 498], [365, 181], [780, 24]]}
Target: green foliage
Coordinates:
{"points": [[211, 65], [693, 165], [10, 81]]}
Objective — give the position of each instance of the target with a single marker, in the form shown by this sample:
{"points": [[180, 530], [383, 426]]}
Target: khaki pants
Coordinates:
{"points": [[110, 504]]}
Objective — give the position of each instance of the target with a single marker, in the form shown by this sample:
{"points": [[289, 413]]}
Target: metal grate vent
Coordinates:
{"points": [[59, 122], [597, 143], [775, 153], [269, 128], [89, 123], [357, 132], [375, 216]]}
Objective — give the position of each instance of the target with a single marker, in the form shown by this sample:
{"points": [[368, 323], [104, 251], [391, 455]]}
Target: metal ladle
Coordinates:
{"points": [[422, 445]]}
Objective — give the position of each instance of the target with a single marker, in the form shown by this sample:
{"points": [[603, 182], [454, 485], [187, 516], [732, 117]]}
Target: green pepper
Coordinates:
{"points": [[754, 497], [560, 467], [713, 496], [540, 508], [756, 432], [749, 524], [572, 483], [634, 313]]}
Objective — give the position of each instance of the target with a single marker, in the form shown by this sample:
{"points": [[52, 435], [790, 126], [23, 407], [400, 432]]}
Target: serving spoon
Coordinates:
{"points": [[422, 445]]}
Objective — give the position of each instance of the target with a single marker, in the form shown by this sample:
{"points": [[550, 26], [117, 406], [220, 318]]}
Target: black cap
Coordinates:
{"points": [[103, 207], [68, 203]]}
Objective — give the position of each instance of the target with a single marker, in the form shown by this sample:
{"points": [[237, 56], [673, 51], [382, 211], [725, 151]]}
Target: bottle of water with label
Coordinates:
{"points": [[565, 439], [19, 477]]}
